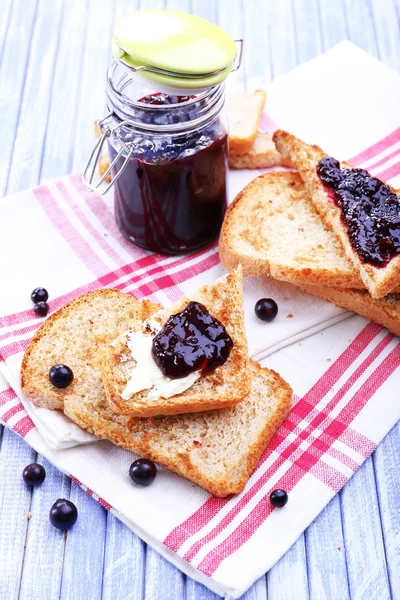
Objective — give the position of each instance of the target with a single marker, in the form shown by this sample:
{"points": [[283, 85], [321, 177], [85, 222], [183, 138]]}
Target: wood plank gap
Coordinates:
{"points": [[271, 62], [372, 16], [51, 91], [78, 95], [243, 65], [144, 572], [321, 30], [184, 586], [296, 41], [1, 435], [344, 542], [378, 500], [65, 546], [397, 9], [104, 550], [7, 29], [346, 20], [26, 536], [22, 95]]}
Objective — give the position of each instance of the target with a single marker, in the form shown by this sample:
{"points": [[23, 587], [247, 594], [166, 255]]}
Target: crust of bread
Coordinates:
{"points": [[385, 311], [262, 155], [244, 112], [160, 439], [35, 367], [271, 228], [305, 158], [225, 386]]}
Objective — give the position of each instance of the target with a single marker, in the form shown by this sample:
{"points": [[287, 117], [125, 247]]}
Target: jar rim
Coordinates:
{"points": [[209, 103]]}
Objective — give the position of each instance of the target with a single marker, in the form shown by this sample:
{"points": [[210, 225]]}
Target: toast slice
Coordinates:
{"points": [[217, 450], [380, 281], [72, 336], [244, 112], [225, 386], [385, 311], [262, 155], [271, 228]]}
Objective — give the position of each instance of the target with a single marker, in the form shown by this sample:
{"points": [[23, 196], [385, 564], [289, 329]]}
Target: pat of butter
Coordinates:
{"points": [[147, 376]]}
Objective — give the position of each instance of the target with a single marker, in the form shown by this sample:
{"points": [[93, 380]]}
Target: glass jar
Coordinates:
{"points": [[169, 162]]}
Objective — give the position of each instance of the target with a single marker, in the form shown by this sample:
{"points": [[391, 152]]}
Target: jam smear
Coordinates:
{"points": [[370, 211], [191, 340]]}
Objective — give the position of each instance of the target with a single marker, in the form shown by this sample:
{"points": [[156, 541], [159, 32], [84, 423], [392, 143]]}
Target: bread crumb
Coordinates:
{"points": [[290, 316], [338, 547], [29, 515], [329, 359]]}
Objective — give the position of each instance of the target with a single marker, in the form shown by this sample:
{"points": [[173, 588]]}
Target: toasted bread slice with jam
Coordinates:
{"points": [[226, 385], [217, 450], [271, 228], [72, 336], [385, 311], [244, 112], [380, 281], [262, 155]]}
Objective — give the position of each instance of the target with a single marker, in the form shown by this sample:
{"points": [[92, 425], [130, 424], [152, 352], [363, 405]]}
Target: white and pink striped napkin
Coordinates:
{"points": [[344, 370]]}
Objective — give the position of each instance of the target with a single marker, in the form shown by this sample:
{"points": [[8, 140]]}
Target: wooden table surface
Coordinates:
{"points": [[53, 58]]}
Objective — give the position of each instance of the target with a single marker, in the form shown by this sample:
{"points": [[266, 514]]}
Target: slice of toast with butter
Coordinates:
{"points": [[361, 210], [73, 336], [218, 450], [135, 385]]}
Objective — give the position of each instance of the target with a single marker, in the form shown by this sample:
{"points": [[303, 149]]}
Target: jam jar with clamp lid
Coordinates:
{"points": [[166, 130]]}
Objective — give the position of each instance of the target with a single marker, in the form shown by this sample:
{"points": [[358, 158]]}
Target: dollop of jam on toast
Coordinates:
{"points": [[370, 210], [191, 340]]}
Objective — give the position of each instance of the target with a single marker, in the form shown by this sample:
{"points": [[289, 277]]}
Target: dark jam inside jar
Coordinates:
{"points": [[370, 211], [171, 197], [192, 340]]}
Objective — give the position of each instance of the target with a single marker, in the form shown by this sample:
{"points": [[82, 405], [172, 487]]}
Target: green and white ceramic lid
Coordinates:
{"points": [[173, 48]]}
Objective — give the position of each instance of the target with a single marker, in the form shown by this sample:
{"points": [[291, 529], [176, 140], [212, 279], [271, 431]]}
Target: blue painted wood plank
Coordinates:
{"points": [[359, 19], [84, 549], [30, 133], [44, 544], [12, 78], [91, 98], [15, 500], [162, 580], [231, 18], [333, 21], [282, 37], [207, 9], [386, 461], [183, 5], [196, 591], [387, 31], [61, 125], [308, 32], [287, 580], [5, 16], [365, 554], [326, 555], [257, 60], [124, 562]]}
